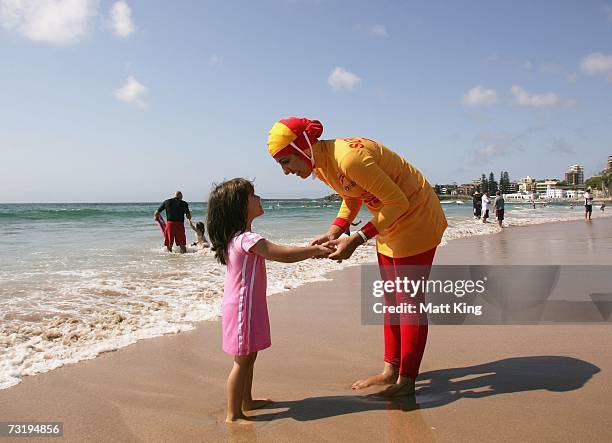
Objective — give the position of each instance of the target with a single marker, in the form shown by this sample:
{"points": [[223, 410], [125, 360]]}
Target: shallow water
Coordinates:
{"points": [[80, 279]]}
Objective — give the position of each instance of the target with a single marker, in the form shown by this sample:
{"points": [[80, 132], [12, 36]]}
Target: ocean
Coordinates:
{"points": [[77, 280]]}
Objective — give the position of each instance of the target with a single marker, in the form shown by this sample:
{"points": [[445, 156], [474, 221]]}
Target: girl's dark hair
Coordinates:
{"points": [[227, 213], [200, 227]]}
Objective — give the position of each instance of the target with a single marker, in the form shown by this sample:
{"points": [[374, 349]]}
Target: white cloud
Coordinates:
{"points": [[608, 12], [550, 100], [378, 31], [561, 146], [493, 58], [132, 92], [510, 61], [59, 22], [597, 64], [503, 144], [488, 152], [495, 145], [214, 60], [478, 95], [121, 16], [556, 69], [341, 79]]}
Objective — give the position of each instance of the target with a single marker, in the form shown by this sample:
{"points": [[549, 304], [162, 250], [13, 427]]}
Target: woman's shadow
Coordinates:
{"points": [[444, 386]]}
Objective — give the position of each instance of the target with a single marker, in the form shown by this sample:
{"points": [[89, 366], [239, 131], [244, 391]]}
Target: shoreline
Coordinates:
{"points": [[119, 343], [172, 386]]}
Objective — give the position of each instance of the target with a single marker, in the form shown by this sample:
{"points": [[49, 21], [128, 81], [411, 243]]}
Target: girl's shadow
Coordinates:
{"points": [[444, 386]]}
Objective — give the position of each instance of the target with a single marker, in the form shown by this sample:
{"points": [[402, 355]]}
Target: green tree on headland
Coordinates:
{"points": [[594, 182], [332, 198], [484, 184], [606, 180], [492, 184], [504, 182]]}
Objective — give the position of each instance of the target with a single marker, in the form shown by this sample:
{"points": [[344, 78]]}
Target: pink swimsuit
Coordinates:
{"points": [[246, 327]]}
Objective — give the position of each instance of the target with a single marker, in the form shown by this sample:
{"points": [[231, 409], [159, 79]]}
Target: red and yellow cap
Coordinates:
{"points": [[294, 135]]}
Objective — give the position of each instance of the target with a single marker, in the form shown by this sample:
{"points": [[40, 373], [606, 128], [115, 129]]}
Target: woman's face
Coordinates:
{"points": [[294, 164]]}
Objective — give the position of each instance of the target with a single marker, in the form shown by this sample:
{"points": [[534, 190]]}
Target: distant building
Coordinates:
{"points": [[513, 187], [573, 193], [542, 186], [575, 175], [448, 189], [552, 192], [466, 189], [526, 184], [518, 196]]}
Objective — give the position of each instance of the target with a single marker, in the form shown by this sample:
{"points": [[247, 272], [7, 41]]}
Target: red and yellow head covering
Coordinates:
{"points": [[294, 135]]}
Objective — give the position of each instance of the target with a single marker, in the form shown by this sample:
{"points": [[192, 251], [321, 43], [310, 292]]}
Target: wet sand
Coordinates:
{"points": [[477, 382]]}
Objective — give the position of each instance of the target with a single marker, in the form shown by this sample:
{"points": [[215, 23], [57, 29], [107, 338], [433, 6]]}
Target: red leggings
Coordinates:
{"points": [[405, 334]]}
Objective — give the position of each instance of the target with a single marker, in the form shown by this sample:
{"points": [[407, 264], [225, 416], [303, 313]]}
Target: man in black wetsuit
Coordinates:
{"points": [[176, 210], [477, 204]]}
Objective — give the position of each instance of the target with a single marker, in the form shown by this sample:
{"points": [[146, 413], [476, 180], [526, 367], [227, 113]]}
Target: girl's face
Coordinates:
{"points": [[294, 164], [254, 209]]}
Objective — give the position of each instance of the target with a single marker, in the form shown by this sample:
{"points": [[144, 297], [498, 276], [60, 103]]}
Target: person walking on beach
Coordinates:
{"points": [[232, 207], [485, 206], [408, 223], [477, 204], [588, 204], [498, 204], [176, 211]]}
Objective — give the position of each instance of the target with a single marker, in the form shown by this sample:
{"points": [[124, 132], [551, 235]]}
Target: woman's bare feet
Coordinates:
{"points": [[380, 379], [255, 404], [403, 388], [388, 376]]}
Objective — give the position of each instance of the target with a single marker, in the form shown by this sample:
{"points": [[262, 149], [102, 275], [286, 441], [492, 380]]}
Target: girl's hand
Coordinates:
{"points": [[344, 247], [322, 251]]}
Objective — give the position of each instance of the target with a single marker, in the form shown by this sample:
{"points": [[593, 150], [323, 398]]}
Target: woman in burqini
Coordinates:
{"points": [[407, 221]]}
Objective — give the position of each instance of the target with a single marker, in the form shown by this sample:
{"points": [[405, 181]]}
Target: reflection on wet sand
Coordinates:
{"points": [[404, 419]]}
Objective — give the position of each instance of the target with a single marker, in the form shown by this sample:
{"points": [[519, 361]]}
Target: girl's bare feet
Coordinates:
{"points": [[238, 419], [388, 376], [255, 404]]}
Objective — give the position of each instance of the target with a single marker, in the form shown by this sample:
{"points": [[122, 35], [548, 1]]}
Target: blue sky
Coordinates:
{"points": [[132, 100]]}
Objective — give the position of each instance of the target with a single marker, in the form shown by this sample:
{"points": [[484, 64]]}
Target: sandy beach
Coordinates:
{"points": [[477, 382]]}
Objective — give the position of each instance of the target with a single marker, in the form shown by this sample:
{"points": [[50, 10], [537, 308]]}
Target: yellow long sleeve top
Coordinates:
{"points": [[407, 216]]}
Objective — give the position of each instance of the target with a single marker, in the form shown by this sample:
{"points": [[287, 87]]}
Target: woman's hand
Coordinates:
{"points": [[344, 247], [332, 234], [321, 240]]}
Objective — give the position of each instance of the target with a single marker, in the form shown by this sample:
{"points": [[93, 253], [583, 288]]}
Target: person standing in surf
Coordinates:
{"points": [[477, 204], [588, 204], [176, 211], [408, 223]]}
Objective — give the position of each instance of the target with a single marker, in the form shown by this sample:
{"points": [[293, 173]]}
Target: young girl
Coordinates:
{"points": [[200, 230], [232, 207]]}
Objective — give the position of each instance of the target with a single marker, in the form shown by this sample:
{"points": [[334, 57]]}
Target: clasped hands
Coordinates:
{"points": [[337, 248]]}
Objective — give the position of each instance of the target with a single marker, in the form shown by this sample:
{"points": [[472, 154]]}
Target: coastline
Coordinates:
{"points": [[146, 303], [172, 387]]}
